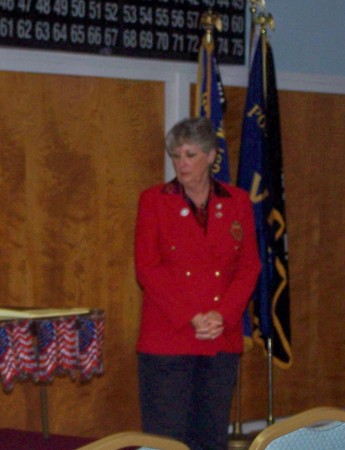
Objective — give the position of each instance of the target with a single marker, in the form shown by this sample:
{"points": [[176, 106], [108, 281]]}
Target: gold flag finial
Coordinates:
{"points": [[210, 20], [254, 4], [265, 20], [259, 16]]}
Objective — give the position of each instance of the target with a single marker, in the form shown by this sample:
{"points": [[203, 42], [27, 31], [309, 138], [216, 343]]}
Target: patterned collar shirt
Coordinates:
{"points": [[201, 214]]}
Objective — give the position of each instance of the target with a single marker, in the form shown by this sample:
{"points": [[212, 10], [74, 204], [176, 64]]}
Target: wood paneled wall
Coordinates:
{"points": [[313, 142], [74, 154]]}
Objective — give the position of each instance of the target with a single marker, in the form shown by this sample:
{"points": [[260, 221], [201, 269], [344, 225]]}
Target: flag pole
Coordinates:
{"points": [[209, 21], [254, 4], [266, 20], [270, 414], [259, 153], [238, 440]]}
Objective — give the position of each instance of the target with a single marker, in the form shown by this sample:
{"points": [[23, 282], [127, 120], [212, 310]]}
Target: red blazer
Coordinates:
{"points": [[184, 271]]}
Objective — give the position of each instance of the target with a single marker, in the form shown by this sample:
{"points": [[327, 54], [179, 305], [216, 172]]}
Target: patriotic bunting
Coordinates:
{"points": [[47, 350], [39, 349], [90, 349], [23, 348], [8, 370], [67, 337]]}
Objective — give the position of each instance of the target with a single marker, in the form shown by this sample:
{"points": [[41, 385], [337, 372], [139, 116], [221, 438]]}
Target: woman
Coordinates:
{"points": [[197, 263]]}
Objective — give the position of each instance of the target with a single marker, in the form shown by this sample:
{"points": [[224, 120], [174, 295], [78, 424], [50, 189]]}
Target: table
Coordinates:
{"points": [[41, 343]]}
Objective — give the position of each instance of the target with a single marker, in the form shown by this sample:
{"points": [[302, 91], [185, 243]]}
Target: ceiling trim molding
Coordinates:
{"points": [[64, 63]]}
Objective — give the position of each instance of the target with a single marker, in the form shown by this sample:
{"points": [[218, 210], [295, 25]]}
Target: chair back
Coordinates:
{"points": [[135, 439], [321, 428]]}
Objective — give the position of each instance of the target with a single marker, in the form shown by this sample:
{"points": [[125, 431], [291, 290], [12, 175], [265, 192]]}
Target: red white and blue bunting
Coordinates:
{"points": [[38, 349]]}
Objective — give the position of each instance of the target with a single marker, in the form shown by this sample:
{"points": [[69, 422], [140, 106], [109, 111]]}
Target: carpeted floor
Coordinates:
{"points": [[27, 440]]}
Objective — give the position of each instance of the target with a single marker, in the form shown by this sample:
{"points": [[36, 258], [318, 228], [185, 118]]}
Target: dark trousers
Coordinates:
{"points": [[188, 397]]}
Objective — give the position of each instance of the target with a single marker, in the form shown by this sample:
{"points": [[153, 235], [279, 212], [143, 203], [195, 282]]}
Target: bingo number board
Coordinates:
{"points": [[162, 29]]}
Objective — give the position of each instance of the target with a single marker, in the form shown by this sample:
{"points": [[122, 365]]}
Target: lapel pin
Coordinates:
{"points": [[184, 212]]}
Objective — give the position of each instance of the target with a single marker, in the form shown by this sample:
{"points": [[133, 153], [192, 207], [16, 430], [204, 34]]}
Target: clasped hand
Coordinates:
{"points": [[208, 326]]}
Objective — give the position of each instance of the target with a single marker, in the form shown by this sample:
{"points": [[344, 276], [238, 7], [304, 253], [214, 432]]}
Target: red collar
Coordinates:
{"points": [[175, 187]]}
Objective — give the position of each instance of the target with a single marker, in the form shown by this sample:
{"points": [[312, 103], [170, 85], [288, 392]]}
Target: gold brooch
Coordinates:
{"points": [[236, 231]]}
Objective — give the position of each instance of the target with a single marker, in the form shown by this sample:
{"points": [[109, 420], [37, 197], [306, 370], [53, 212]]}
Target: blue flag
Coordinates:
{"points": [[210, 102], [260, 175]]}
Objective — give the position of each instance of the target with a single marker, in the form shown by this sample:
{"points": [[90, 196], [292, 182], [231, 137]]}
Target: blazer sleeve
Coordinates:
{"points": [[157, 281], [239, 291]]}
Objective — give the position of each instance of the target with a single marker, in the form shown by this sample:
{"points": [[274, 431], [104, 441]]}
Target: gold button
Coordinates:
{"points": [[188, 274], [173, 247], [216, 298], [217, 273]]}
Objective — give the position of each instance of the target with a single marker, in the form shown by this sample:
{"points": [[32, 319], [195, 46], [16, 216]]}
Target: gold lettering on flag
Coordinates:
{"points": [[259, 114], [275, 216], [254, 190]]}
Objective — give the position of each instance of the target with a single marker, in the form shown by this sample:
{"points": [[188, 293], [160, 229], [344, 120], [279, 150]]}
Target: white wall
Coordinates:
{"points": [[309, 36]]}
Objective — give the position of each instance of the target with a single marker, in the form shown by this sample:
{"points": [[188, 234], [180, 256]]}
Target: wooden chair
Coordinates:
{"points": [[321, 428], [135, 439]]}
